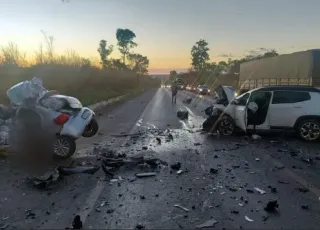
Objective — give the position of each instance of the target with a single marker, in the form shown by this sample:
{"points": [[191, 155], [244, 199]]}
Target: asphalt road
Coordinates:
{"points": [[228, 180]]}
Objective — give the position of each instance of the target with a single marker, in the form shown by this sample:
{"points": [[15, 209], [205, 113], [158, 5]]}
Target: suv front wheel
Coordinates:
{"points": [[309, 130]]}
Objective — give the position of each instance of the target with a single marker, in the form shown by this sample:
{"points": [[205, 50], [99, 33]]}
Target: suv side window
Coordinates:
{"points": [[285, 97], [243, 99]]}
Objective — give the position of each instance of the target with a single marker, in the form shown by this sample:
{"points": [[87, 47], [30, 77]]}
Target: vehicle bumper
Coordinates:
{"points": [[77, 124]]}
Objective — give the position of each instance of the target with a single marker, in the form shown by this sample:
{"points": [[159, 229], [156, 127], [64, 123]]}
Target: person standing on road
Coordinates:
{"points": [[174, 90]]}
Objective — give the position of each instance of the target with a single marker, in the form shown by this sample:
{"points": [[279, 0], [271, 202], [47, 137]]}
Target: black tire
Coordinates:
{"points": [[70, 147], [226, 126], [91, 129], [309, 130]]}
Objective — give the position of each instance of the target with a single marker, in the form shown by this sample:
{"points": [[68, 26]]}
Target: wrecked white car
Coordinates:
{"points": [[268, 108], [37, 108]]}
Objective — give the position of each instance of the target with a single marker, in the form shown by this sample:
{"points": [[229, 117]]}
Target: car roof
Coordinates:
{"points": [[287, 88]]}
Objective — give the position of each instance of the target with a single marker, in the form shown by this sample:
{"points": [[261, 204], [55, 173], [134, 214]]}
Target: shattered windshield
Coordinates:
{"points": [[140, 114]]}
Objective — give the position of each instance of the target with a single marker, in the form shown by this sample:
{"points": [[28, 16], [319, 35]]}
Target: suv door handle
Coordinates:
{"points": [[297, 106]]}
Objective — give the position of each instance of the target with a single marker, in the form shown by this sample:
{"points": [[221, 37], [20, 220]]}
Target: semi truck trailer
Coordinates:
{"points": [[299, 68]]}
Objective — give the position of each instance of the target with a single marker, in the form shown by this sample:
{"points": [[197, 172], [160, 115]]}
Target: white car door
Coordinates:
{"points": [[240, 117], [240, 111], [286, 107]]}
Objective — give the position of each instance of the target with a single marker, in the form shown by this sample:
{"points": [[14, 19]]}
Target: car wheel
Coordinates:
{"points": [[226, 126], [309, 130], [64, 147], [91, 129]]}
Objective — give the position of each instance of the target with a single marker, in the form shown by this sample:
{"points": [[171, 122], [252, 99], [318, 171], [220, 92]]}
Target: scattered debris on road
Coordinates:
{"points": [[234, 211], [307, 160], [148, 174], [77, 223], [158, 140], [214, 171], [181, 207], [248, 219], [140, 226], [262, 192], [187, 100], [256, 137], [303, 189], [208, 224], [179, 172], [176, 166], [272, 206], [45, 181]]}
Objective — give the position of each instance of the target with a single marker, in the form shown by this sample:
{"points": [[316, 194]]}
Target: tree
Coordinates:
{"points": [[118, 64], [125, 42], [200, 55], [270, 53], [254, 56], [223, 63], [104, 52], [258, 55], [139, 63]]}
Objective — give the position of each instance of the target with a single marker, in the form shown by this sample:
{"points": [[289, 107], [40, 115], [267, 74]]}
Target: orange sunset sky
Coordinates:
{"points": [[166, 29]]}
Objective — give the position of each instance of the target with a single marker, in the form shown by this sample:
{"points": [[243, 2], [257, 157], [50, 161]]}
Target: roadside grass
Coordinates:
{"points": [[68, 73], [88, 84]]}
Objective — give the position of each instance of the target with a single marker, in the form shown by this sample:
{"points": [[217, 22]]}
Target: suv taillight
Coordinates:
{"points": [[61, 119]]}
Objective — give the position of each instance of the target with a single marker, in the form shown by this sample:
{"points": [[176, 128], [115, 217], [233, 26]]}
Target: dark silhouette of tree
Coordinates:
{"points": [[138, 63], [200, 55], [104, 52], [270, 53], [266, 54], [222, 63], [125, 42], [118, 65]]}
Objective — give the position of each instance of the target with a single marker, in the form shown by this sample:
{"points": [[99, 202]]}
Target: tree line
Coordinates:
{"points": [[129, 59], [11, 56], [201, 65]]}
